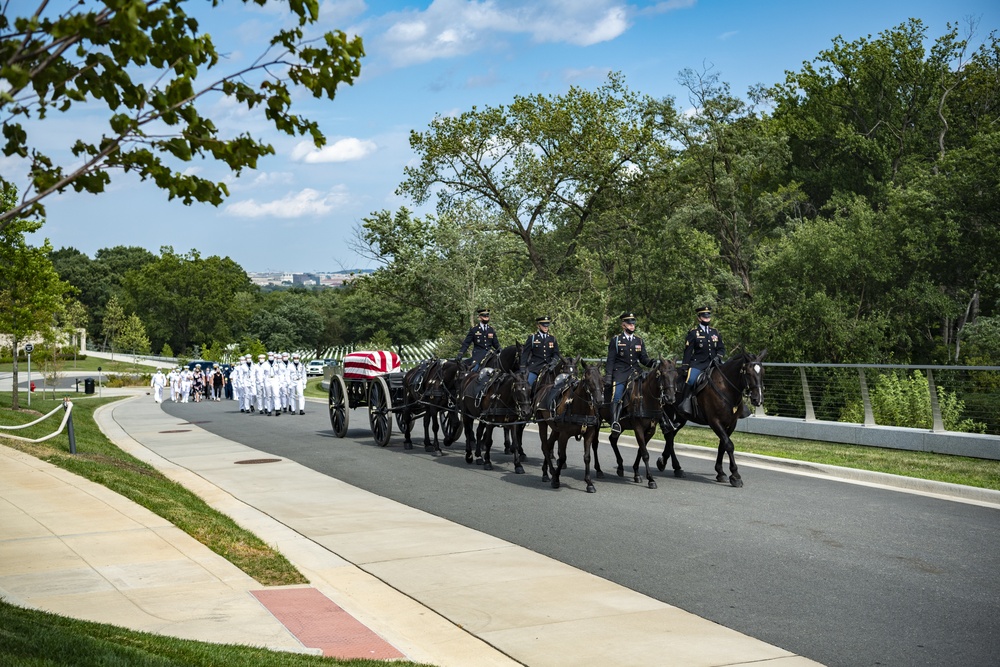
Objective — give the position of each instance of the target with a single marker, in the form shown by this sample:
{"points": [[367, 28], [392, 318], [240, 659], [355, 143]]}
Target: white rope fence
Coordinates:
{"points": [[67, 406]]}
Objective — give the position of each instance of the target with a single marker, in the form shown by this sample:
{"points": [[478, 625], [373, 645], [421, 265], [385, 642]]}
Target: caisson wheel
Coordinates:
{"points": [[339, 414], [379, 414]]}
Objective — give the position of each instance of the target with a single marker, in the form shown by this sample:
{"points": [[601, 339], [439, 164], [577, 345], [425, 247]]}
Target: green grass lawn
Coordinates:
{"points": [[90, 364]]}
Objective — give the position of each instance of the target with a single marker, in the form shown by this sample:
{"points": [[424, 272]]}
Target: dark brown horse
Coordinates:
{"points": [[570, 409], [643, 404], [560, 368], [432, 392], [720, 404], [496, 398]]}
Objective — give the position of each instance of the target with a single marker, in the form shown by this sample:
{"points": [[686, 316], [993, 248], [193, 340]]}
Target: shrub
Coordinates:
{"points": [[128, 379], [904, 400]]}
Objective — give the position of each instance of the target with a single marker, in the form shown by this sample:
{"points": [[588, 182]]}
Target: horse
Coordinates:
{"points": [[494, 397], [562, 367], [507, 359], [645, 398], [570, 409], [431, 389], [719, 406]]}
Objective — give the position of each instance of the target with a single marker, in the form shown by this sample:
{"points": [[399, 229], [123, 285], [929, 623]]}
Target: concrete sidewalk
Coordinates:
{"points": [[427, 588]]}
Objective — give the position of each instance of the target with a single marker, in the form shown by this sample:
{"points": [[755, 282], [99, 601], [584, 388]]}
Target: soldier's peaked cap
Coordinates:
{"points": [[544, 319], [704, 310], [627, 315], [483, 312]]}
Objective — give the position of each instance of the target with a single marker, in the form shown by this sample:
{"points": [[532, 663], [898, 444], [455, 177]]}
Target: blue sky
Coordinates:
{"points": [[299, 211]]}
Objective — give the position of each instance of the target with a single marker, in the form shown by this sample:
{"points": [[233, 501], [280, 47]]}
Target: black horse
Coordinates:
{"points": [[432, 392], [643, 403], [562, 368], [719, 406], [494, 397], [570, 409]]}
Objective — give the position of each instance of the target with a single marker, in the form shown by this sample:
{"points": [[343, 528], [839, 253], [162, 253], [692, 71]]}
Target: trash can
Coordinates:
{"points": [[88, 386]]}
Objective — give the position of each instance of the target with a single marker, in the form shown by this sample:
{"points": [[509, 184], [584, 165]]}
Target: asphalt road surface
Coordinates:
{"points": [[841, 573]]}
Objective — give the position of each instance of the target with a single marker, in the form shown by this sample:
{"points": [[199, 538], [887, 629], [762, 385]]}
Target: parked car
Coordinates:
{"points": [[315, 367]]}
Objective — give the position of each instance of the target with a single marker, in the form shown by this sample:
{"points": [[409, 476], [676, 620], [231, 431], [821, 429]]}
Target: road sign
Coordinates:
{"points": [[29, 348]]}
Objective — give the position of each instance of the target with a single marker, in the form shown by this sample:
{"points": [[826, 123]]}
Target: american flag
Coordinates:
{"points": [[364, 365]]}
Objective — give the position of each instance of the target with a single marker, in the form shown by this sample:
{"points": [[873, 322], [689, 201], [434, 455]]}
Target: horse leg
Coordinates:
{"points": [[518, 452], [480, 432], [723, 438], [594, 442], [469, 437], [507, 439], [642, 435], [487, 463], [548, 458], [589, 436], [407, 442], [560, 463], [734, 471], [669, 431], [613, 440]]}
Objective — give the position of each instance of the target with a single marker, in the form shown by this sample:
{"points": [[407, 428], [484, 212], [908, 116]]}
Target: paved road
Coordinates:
{"points": [[840, 573]]}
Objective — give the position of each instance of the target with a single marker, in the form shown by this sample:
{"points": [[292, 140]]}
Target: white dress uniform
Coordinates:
{"points": [[297, 385], [249, 385], [272, 375], [261, 384], [158, 382], [186, 380], [174, 377]]}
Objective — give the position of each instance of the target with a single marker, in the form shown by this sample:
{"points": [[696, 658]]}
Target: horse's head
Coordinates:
{"points": [[594, 384], [665, 372], [753, 377], [521, 393]]}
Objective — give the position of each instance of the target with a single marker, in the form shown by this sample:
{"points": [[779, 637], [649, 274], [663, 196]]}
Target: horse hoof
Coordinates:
{"points": [[591, 488], [721, 478], [487, 466], [545, 477], [518, 470], [479, 461], [661, 465], [636, 479], [468, 459], [430, 448], [600, 475], [555, 484], [652, 484], [736, 482], [621, 472], [679, 473], [407, 445], [437, 452]]}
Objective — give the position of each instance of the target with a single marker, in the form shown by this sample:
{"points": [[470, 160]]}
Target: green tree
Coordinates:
{"points": [[30, 290], [147, 62], [186, 299], [539, 165], [132, 337], [113, 323]]}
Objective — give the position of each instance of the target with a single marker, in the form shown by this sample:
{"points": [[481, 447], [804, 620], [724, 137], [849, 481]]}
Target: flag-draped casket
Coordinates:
{"points": [[365, 365]]}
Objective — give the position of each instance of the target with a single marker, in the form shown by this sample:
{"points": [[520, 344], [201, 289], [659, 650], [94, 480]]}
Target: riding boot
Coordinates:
{"points": [[616, 410], [684, 407]]}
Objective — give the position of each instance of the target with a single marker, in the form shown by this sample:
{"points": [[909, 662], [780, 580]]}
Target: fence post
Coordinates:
{"points": [[865, 401], [67, 405], [938, 423], [810, 414]]}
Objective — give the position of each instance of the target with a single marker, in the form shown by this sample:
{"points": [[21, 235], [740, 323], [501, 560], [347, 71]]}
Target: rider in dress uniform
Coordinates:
{"points": [[626, 352], [702, 346], [482, 338], [540, 349]]}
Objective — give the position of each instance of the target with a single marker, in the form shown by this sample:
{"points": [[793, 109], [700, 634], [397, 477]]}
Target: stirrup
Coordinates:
{"points": [[616, 427]]}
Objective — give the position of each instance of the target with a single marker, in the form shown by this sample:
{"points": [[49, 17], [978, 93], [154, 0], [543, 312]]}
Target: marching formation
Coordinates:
{"points": [[274, 384]]}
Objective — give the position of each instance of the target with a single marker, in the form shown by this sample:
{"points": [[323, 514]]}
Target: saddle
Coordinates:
{"points": [[484, 380]]}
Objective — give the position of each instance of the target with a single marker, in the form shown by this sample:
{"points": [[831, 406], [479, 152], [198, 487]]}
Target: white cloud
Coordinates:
{"points": [[451, 28], [726, 35], [343, 150], [305, 203]]}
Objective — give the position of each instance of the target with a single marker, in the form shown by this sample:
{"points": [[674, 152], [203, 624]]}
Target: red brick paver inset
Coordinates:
{"points": [[319, 623]]}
